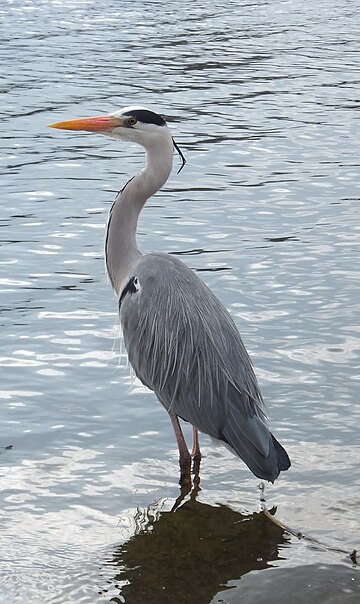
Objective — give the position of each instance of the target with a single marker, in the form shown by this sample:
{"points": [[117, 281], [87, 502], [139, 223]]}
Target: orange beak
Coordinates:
{"points": [[101, 123]]}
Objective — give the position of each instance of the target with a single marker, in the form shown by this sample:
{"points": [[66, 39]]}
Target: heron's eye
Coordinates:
{"points": [[132, 121]]}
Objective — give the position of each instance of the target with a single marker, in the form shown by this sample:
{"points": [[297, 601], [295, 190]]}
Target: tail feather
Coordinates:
{"points": [[283, 459], [266, 462]]}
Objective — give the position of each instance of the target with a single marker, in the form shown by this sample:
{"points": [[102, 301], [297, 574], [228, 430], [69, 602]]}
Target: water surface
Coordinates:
{"points": [[263, 99]]}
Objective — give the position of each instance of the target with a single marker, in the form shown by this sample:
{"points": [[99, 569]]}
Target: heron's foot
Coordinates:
{"points": [[196, 458], [196, 466], [185, 479], [185, 467], [189, 487]]}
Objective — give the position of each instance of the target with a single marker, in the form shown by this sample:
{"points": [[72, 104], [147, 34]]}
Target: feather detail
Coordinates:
{"points": [[184, 345]]}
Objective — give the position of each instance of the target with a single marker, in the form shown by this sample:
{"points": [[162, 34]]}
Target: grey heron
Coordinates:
{"points": [[181, 341]]}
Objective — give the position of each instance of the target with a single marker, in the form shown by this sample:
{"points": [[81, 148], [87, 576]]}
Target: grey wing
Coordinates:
{"points": [[183, 345]]}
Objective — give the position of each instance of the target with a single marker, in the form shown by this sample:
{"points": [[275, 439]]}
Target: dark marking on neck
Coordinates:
{"points": [[130, 288]]}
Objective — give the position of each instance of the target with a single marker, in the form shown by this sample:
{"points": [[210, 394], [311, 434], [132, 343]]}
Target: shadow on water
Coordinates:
{"points": [[191, 551]]}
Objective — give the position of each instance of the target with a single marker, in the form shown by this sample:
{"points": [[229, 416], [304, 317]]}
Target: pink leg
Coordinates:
{"points": [[184, 455], [196, 453]]}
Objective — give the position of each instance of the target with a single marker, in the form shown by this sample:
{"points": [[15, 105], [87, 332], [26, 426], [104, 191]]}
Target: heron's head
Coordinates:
{"points": [[133, 124]]}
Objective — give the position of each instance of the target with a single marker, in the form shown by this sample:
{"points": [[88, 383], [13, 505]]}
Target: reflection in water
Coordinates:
{"points": [[191, 553]]}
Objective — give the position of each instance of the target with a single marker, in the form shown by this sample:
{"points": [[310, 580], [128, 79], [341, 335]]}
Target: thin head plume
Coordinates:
{"points": [[181, 155]]}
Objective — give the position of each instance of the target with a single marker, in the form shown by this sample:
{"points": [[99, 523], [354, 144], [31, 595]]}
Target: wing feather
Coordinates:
{"points": [[184, 345]]}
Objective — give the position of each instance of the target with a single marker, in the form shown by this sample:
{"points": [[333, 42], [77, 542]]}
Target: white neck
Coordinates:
{"points": [[121, 251]]}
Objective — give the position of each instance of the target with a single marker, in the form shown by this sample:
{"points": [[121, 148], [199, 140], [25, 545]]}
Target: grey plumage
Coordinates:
{"points": [[183, 344], [180, 339]]}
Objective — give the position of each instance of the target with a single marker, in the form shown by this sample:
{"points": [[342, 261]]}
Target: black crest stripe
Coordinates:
{"points": [[146, 116]]}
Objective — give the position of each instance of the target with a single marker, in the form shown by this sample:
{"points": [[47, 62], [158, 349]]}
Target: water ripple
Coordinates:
{"points": [[262, 97]]}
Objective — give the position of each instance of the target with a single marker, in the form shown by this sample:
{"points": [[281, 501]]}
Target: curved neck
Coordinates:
{"points": [[121, 251]]}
